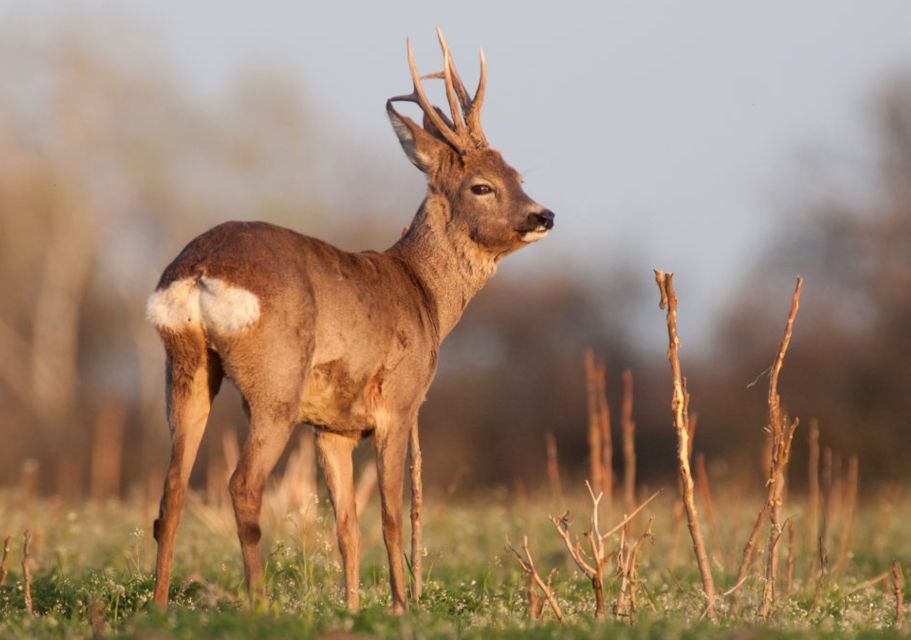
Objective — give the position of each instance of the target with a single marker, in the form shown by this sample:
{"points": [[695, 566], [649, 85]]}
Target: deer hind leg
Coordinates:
{"points": [[193, 378], [335, 457], [269, 434], [391, 450]]}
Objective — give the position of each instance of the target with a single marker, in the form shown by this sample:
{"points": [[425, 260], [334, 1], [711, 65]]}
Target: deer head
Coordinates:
{"points": [[477, 191]]}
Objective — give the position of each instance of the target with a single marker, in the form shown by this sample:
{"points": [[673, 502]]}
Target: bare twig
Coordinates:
{"points": [[595, 453], [417, 530], [749, 547], [528, 566], [553, 469], [782, 432], [679, 406], [595, 571], [626, 600], [860, 586], [822, 553], [5, 561], [897, 584], [26, 572], [850, 510], [705, 493], [629, 443], [607, 441], [813, 484], [789, 582]]}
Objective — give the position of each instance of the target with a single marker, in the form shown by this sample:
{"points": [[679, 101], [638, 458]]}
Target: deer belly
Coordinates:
{"points": [[335, 400]]}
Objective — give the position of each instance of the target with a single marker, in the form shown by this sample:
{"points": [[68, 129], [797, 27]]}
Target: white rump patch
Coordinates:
{"points": [[176, 306], [226, 309], [208, 302]]}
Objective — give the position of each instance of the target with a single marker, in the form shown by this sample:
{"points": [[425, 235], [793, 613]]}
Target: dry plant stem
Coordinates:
{"points": [[528, 566], [782, 435], [594, 573], [534, 602], [789, 582], [417, 529], [594, 426], [4, 563], [629, 443], [26, 572], [850, 510], [813, 484], [553, 468], [749, 547], [705, 493], [868, 583], [679, 406], [607, 444], [596, 540], [692, 422], [626, 600], [897, 584]]}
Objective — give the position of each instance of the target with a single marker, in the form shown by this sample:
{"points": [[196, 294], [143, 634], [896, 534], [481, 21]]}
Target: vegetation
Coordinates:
{"points": [[92, 573]]}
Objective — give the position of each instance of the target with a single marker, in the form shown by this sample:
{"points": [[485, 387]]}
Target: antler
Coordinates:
{"points": [[464, 131]]}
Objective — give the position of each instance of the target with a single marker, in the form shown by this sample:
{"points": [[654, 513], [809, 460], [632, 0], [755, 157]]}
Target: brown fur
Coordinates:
{"points": [[344, 342]]}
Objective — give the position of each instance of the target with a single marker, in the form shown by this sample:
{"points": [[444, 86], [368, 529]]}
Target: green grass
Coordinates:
{"points": [[92, 575]]}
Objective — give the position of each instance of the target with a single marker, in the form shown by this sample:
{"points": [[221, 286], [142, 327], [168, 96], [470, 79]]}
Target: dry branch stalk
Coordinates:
{"points": [[528, 566], [26, 572], [705, 493], [781, 430], [553, 468], [595, 453], [5, 561], [897, 584], [813, 484], [789, 582], [849, 509], [629, 443], [607, 444], [626, 600], [679, 405]]}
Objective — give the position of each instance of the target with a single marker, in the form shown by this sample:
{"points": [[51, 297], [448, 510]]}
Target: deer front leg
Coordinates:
{"points": [[391, 450], [268, 438], [335, 457]]}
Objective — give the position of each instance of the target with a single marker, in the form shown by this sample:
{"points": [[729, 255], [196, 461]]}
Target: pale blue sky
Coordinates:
{"points": [[663, 134]]}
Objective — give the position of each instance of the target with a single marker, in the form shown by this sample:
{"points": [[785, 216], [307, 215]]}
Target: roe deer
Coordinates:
{"points": [[344, 342]]}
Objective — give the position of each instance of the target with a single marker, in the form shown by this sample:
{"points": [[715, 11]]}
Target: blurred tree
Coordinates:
{"points": [[849, 363]]}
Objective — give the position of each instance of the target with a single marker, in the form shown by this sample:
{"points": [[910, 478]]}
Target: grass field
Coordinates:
{"points": [[92, 573]]}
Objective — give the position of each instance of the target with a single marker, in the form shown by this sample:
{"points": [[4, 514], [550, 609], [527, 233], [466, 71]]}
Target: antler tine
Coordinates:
{"points": [[448, 76], [420, 98], [473, 118]]}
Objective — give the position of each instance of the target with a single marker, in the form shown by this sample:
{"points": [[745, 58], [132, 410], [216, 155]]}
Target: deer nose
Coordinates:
{"points": [[544, 218]]}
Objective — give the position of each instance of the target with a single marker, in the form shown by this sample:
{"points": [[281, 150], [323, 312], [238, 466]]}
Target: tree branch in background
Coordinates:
{"points": [[679, 404]]}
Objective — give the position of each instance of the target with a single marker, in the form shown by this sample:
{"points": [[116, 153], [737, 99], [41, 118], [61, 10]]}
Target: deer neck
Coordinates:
{"points": [[450, 266]]}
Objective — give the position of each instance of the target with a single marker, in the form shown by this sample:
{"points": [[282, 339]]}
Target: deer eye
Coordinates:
{"points": [[481, 189]]}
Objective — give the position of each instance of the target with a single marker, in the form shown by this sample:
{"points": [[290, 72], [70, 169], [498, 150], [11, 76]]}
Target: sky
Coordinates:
{"points": [[663, 134]]}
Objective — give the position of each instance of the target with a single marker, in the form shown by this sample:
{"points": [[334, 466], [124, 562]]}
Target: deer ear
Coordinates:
{"points": [[422, 148]]}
